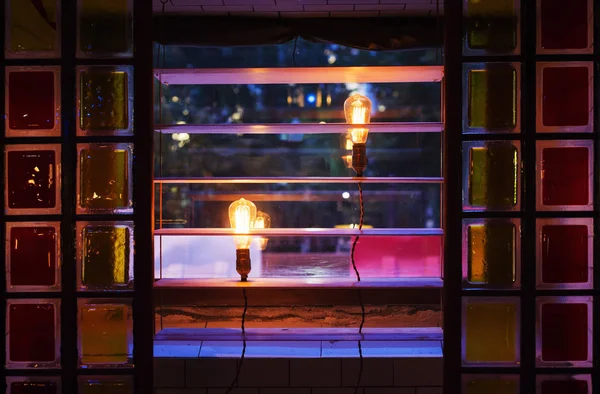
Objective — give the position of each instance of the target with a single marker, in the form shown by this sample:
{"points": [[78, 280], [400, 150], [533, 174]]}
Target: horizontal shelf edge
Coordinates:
{"points": [[296, 128], [303, 232], [299, 75], [262, 180]]}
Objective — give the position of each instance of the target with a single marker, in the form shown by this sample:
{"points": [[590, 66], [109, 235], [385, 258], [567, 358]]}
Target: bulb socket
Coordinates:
{"points": [[242, 263], [359, 158]]}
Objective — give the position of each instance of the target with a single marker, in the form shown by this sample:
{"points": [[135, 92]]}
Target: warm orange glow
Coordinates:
{"points": [[357, 109], [242, 214], [263, 220]]}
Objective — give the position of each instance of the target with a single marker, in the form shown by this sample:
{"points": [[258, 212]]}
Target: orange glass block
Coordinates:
{"points": [[33, 29], [492, 386], [492, 254]]}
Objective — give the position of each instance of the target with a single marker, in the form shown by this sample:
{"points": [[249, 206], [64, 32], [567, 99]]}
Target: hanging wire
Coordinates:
{"points": [[294, 51], [239, 366]]}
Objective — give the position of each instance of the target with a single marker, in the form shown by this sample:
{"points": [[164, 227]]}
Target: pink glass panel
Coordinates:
{"points": [[31, 100], [565, 96], [31, 332], [564, 387], [33, 388], [564, 27], [31, 179], [564, 332], [565, 179], [564, 254], [32, 256]]}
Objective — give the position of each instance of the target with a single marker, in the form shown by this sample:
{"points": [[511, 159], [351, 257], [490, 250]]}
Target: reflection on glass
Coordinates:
{"points": [[104, 100], [564, 27], [31, 333], [492, 101], [104, 178], [104, 333], [32, 26], [27, 111], [32, 256], [565, 331], [565, 176], [491, 332], [111, 385], [492, 386], [105, 27], [33, 387], [105, 259], [564, 254], [492, 25], [566, 96], [493, 176], [564, 386], [31, 179], [492, 254]]}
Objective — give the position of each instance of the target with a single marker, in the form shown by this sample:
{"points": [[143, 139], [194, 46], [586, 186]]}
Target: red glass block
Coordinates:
{"points": [[564, 27], [564, 332], [566, 96], [31, 101], [32, 256], [564, 254], [33, 388], [31, 179], [565, 177], [564, 387], [31, 333]]}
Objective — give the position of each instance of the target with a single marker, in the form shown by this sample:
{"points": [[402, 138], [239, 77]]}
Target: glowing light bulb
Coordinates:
{"points": [[357, 109], [262, 220], [347, 160], [242, 214]]}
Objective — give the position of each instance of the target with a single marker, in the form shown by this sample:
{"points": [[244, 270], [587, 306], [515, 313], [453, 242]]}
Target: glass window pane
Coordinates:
{"points": [[33, 385], [104, 178], [33, 333], [105, 255], [105, 333], [560, 384], [30, 114], [32, 179], [105, 385], [564, 175], [564, 331], [105, 28], [105, 100], [491, 175], [491, 331], [491, 97], [33, 29], [492, 25], [490, 384], [564, 248], [565, 97], [492, 253], [33, 268], [563, 28]]}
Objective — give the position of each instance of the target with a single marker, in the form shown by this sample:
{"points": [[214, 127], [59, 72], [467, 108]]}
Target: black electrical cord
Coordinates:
{"points": [[360, 300], [294, 51], [239, 366]]}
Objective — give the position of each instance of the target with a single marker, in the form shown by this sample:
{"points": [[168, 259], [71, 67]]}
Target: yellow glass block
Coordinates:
{"points": [[492, 254], [491, 25], [106, 387], [105, 260], [105, 27], [104, 177], [493, 98], [104, 100], [491, 332], [104, 333], [492, 386], [493, 172], [32, 25]]}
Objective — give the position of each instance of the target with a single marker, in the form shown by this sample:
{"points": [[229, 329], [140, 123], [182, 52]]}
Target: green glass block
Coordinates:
{"points": [[104, 100], [492, 254], [493, 98], [492, 386], [491, 332], [32, 26], [493, 172], [491, 25], [104, 177], [105, 260], [105, 27]]}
